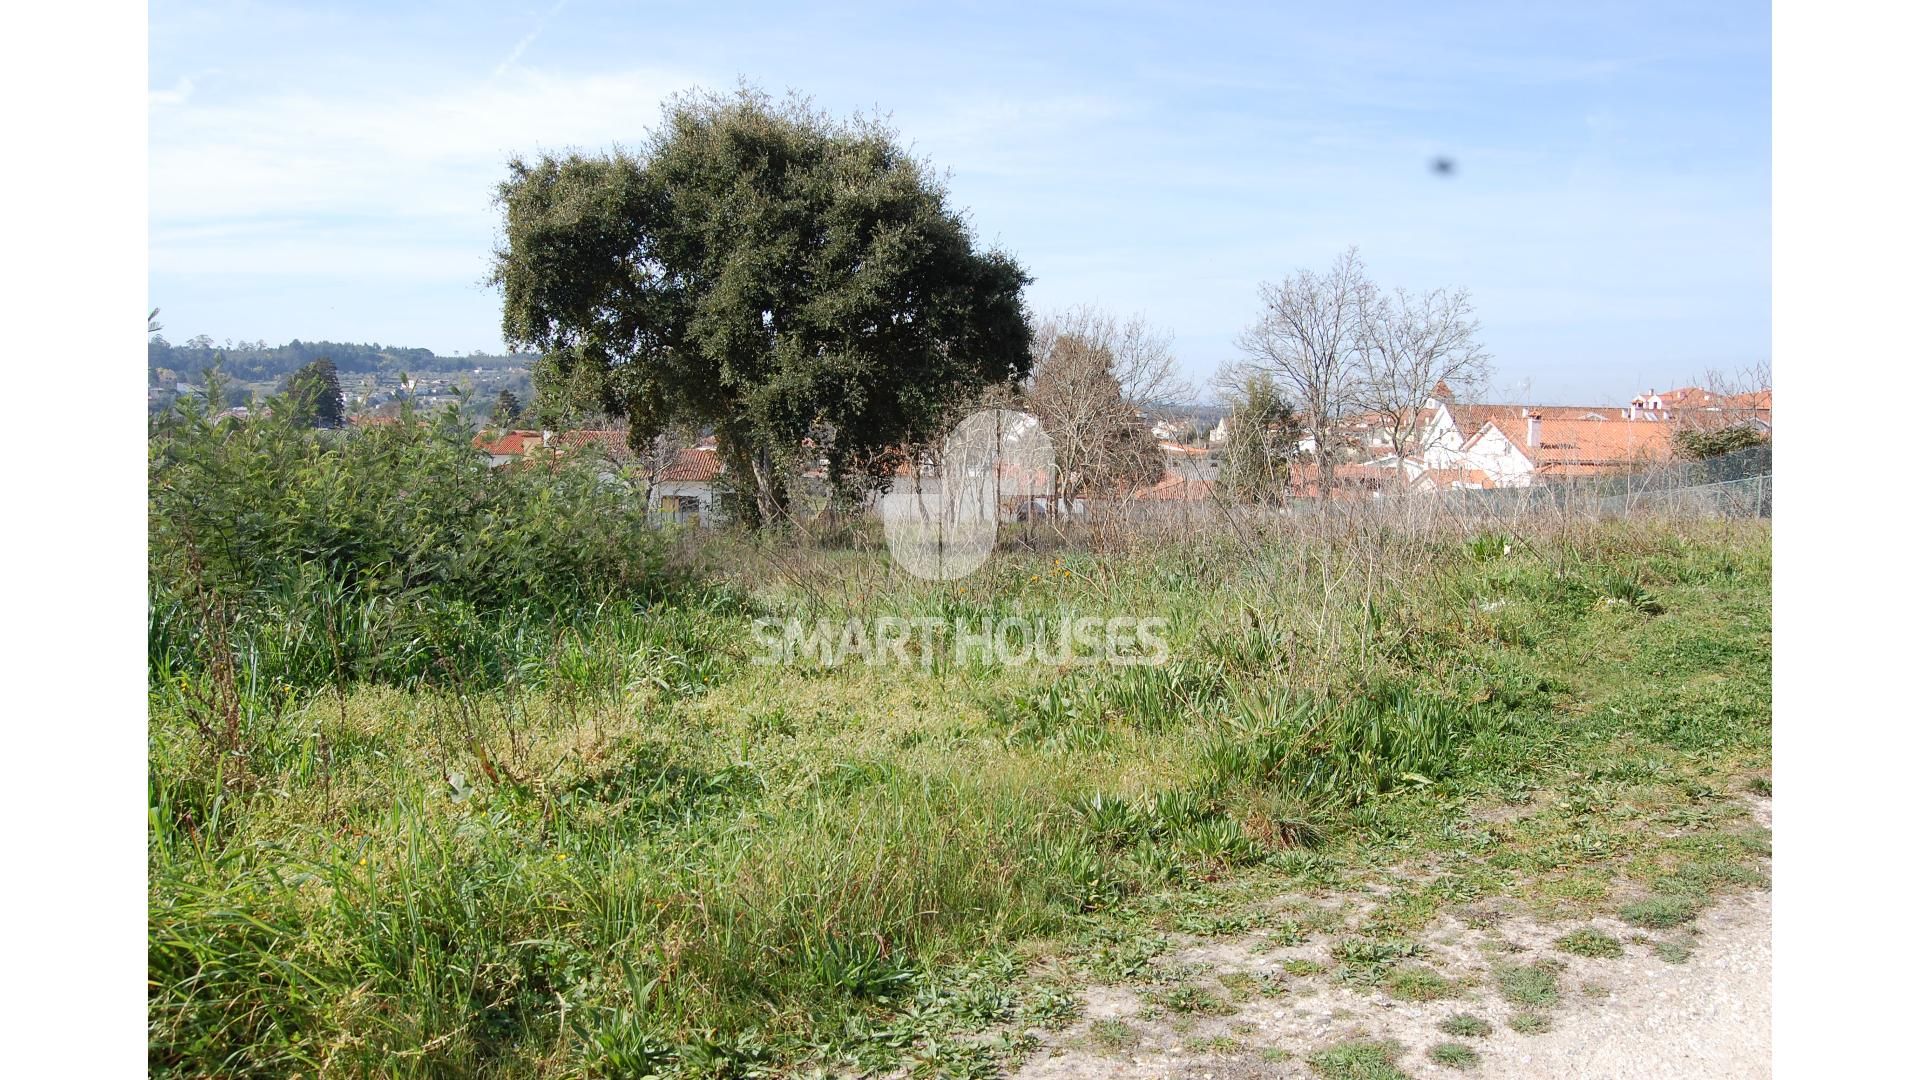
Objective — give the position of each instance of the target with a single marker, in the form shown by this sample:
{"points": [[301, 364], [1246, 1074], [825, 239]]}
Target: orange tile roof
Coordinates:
{"points": [[1470, 418], [1172, 488], [1580, 447], [1694, 397], [509, 444], [1447, 478], [611, 443], [1349, 480], [696, 465]]}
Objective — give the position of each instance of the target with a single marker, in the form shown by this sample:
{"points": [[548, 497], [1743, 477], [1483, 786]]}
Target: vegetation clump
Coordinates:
{"points": [[1360, 1059], [1661, 912], [1534, 986], [1590, 943], [1454, 1055], [1466, 1026]]}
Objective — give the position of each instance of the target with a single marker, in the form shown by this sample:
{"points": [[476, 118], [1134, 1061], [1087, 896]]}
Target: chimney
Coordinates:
{"points": [[1533, 429]]}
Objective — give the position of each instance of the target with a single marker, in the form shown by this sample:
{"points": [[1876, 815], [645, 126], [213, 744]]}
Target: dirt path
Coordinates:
{"points": [[1630, 1016], [1708, 1017]]}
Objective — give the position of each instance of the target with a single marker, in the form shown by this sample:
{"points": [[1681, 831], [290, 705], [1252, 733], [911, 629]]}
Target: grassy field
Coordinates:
{"points": [[631, 849]]}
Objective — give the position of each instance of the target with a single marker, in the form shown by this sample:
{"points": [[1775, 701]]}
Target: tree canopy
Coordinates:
{"points": [[1262, 431], [1092, 375], [313, 396], [764, 270], [506, 410]]}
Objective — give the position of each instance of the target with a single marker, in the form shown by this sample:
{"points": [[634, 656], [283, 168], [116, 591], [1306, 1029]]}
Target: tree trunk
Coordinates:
{"points": [[1323, 452]]}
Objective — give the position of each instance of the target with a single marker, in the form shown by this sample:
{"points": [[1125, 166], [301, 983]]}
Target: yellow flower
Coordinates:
{"points": [[560, 856]]}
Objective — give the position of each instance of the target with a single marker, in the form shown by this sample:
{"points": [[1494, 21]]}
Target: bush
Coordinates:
{"points": [[388, 554]]}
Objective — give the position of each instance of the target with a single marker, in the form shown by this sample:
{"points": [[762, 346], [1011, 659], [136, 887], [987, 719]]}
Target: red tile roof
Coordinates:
{"points": [[509, 444], [1444, 479], [1694, 397], [1349, 480], [1172, 488], [699, 464], [611, 443], [1580, 447], [1469, 418]]}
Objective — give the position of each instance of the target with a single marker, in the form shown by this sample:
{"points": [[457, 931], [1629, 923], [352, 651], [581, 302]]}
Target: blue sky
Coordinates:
{"points": [[327, 171]]}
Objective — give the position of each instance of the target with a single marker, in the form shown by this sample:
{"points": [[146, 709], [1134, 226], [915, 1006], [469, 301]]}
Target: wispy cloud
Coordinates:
{"points": [[520, 47], [398, 158], [182, 90]]}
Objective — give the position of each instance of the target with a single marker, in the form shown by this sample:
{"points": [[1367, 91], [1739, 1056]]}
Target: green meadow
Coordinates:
{"points": [[490, 780]]}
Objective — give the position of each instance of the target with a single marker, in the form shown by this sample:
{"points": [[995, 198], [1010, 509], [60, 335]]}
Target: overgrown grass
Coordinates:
{"points": [[630, 848]]}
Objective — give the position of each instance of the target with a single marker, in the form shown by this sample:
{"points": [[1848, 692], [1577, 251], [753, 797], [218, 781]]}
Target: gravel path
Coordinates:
{"points": [[1708, 1017], [1630, 1017]]}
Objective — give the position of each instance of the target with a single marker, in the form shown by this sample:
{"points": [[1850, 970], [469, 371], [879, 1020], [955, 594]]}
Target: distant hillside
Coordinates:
{"points": [[259, 362]]}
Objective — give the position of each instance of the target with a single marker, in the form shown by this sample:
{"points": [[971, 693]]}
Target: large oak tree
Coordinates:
{"points": [[764, 270]]}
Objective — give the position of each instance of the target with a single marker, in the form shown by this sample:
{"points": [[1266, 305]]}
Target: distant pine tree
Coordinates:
{"points": [[506, 410], [313, 395]]}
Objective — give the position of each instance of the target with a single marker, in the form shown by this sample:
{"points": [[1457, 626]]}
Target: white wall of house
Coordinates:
{"points": [[676, 499], [1441, 441], [1499, 458], [1188, 466]]}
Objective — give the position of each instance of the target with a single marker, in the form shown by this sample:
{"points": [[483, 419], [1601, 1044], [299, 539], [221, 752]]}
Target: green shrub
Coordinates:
{"points": [[392, 553]]}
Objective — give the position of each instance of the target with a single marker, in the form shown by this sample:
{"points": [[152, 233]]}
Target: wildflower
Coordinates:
{"points": [[559, 856]]}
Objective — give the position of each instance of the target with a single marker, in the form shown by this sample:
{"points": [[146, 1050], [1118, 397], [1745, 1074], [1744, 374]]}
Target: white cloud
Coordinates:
{"points": [[299, 166], [182, 90], [520, 47]]}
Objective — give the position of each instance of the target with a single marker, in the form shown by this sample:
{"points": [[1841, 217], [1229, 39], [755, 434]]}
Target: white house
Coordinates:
{"points": [[684, 489]]}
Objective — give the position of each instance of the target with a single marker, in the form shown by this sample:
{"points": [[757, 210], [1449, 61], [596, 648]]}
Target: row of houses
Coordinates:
{"points": [[679, 486], [1453, 445], [1461, 445]]}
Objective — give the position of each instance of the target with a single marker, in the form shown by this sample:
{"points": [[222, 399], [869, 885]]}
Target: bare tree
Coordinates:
{"points": [[1733, 411], [1096, 381], [1741, 397], [655, 456], [1311, 337], [1409, 344]]}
